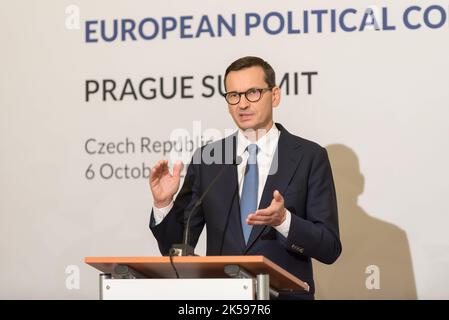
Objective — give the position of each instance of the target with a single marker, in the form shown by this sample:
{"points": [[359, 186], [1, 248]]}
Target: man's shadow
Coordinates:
{"points": [[375, 262]]}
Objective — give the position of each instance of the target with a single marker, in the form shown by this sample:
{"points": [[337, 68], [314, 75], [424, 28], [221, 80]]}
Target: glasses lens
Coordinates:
{"points": [[233, 98], [253, 95]]}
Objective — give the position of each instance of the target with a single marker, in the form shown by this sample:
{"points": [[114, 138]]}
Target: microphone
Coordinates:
{"points": [[185, 249]]}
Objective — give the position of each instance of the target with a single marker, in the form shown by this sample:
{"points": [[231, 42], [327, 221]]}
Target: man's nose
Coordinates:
{"points": [[243, 103]]}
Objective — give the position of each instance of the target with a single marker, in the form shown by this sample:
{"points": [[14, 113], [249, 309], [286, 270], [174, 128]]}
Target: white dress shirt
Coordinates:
{"points": [[267, 146]]}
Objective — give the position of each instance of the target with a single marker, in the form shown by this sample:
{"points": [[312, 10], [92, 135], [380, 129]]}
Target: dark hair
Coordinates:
{"points": [[247, 62]]}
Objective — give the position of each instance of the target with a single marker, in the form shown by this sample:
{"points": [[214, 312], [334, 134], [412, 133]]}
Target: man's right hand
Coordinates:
{"points": [[164, 185]]}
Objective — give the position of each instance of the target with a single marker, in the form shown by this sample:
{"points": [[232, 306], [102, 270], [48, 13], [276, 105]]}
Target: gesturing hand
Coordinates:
{"points": [[272, 215], [163, 184]]}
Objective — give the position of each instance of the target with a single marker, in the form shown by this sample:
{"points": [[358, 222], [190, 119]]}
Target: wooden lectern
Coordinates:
{"points": [[200, 278]]}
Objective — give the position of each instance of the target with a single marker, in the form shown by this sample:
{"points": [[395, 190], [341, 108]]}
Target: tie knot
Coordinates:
{"points": [[252, 151]]}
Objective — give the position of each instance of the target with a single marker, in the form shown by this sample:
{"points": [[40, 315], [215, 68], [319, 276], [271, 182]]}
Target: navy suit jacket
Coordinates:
{"points": [[304, 179]]}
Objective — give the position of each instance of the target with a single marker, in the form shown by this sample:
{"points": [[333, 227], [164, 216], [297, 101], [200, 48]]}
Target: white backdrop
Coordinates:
{"points": [[379, 103]]}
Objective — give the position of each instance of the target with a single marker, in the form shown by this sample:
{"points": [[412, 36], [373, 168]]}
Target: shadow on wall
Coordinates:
{"points": [[375, 262]]}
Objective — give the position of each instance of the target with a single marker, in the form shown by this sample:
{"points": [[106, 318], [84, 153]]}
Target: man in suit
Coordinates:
{"points": [[278, 201]]}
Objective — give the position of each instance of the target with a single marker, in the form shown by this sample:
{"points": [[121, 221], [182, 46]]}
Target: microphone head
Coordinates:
{"points": [[238, 160]]}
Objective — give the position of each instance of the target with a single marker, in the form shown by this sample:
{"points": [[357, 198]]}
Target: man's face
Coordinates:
{"points": [[252, 115]]}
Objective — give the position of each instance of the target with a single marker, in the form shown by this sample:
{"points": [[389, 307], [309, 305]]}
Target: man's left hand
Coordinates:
{"points": [[273, 215]]}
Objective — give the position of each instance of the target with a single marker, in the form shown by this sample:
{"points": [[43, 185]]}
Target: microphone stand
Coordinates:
{"points": [[185, 249]]}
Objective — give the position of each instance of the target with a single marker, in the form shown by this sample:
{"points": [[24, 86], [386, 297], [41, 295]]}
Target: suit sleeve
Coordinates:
{"points": [[317, 235], [170, 230]]}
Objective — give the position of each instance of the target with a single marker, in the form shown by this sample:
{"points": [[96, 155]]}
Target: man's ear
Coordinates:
{"points": [[275, 96]]}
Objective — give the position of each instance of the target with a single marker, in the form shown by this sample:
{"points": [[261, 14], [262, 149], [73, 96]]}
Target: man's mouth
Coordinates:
{"points": [[245, 116]]}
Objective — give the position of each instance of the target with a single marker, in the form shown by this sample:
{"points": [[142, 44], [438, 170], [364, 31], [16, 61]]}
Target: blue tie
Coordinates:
{"points": [[248, 200]]}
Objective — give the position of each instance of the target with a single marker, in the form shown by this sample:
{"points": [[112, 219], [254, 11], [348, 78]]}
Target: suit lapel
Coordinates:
{"points": [[283, 166]]}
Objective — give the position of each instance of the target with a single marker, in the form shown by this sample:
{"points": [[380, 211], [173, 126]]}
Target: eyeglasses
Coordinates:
{"points": [[252, 95]]}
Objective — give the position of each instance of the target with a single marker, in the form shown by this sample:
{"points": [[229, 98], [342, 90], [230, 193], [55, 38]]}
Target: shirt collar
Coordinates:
{"points": [[267, 144]]}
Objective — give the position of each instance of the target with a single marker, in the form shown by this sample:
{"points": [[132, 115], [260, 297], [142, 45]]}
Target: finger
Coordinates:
{"points": [[164, 170], [153, 175], [265, 212], [155, 172], [162, 167], [277, 196], [259, 223], [257, 219], [154, 179], [158, 166], [178, 168], [158, 169]]}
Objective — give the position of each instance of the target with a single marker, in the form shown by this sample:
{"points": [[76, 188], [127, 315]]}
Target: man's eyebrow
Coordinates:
{"points": [[254, 87]]}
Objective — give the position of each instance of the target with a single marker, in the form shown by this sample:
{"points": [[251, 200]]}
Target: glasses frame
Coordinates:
{"points": [[261, 92]]}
